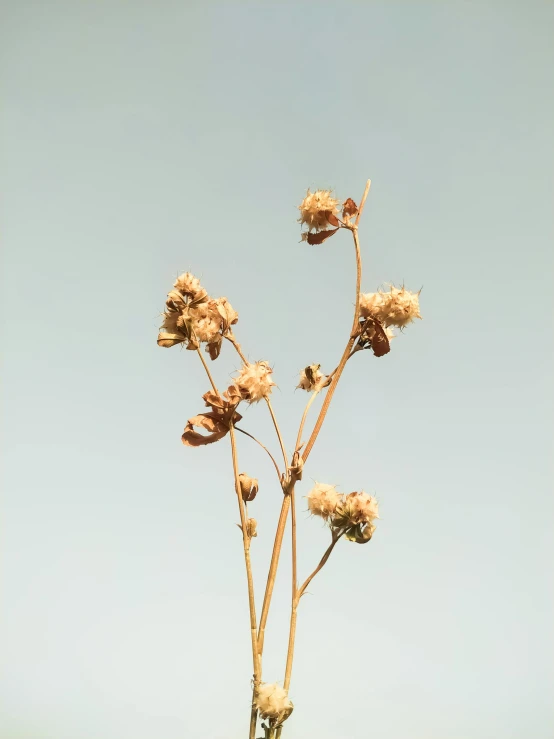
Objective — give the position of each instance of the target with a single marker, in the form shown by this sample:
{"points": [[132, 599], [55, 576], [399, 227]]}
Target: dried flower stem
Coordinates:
{"points": [[278, 431], [353, 334], [273, 570], [251, 602], [256, 660], [211, 379], [299, 592], [281, 525], [303, 421], [242, 431]]}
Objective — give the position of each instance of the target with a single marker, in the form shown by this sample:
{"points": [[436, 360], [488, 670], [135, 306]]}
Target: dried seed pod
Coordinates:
{"points": [[248, 487], [251, 527]]}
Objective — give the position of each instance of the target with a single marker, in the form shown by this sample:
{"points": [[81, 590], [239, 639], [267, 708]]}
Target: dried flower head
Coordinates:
{"points": [[248, 487], [311, 378], [189, 286], [323, 500], [355, 508], [272, 701], [254, 381], [205, 319], [318, 210], [398, 307]]}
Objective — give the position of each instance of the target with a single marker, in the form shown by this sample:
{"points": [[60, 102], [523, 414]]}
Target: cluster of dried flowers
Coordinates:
{"points": [[351, 515], [192, 318]]}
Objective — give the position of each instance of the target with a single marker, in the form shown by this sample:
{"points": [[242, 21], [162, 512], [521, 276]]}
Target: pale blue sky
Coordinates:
{"points": [[141, 139]]}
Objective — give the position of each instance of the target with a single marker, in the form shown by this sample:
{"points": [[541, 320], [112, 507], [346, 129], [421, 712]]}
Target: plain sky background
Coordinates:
{"points": [[141, 139]]}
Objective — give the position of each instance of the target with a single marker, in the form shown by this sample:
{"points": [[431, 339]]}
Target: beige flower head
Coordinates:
{"points": [[272, 701], [311, 378], [316, 208], [398, 307], [254, 381], [206, 320], [189, 286], [356, 508], [323, 500]]}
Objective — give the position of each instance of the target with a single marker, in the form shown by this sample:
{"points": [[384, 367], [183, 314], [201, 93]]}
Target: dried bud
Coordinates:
{"points": [[356, 508], [311, 378], [248, 487], [251, 527], [254, 381], [228, 315], [398, 307], [318, 210], [272, 701], [361, 533], [323, 500]]}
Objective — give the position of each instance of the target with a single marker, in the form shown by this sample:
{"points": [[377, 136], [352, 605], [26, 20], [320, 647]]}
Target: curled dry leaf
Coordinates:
{"points": [[319, 237], [331, 218], [373, 331], [216, 421], [349, 208], [214, 347]]}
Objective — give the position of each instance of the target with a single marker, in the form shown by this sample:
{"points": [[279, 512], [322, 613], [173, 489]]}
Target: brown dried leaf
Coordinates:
{"points": [[349, 208], [214, 347], [167, 340], [320, 237], [331, 218], [209, 421], [227, 313], [380, 341]]}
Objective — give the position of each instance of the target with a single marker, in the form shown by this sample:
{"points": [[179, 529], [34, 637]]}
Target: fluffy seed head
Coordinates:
{"points": [[311, 378], [254, 381], [272, 701], [323, 500], [316, 208], [398, 307]]}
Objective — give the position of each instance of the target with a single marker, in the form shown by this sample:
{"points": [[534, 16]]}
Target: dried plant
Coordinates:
{"points": [[193, 318]]}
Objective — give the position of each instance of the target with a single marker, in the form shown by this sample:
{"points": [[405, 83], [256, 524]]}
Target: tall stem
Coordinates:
{"points": [[273, 570], [299, 592], [248, 564], [256, 661], [281, 525], [348, 348]]}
